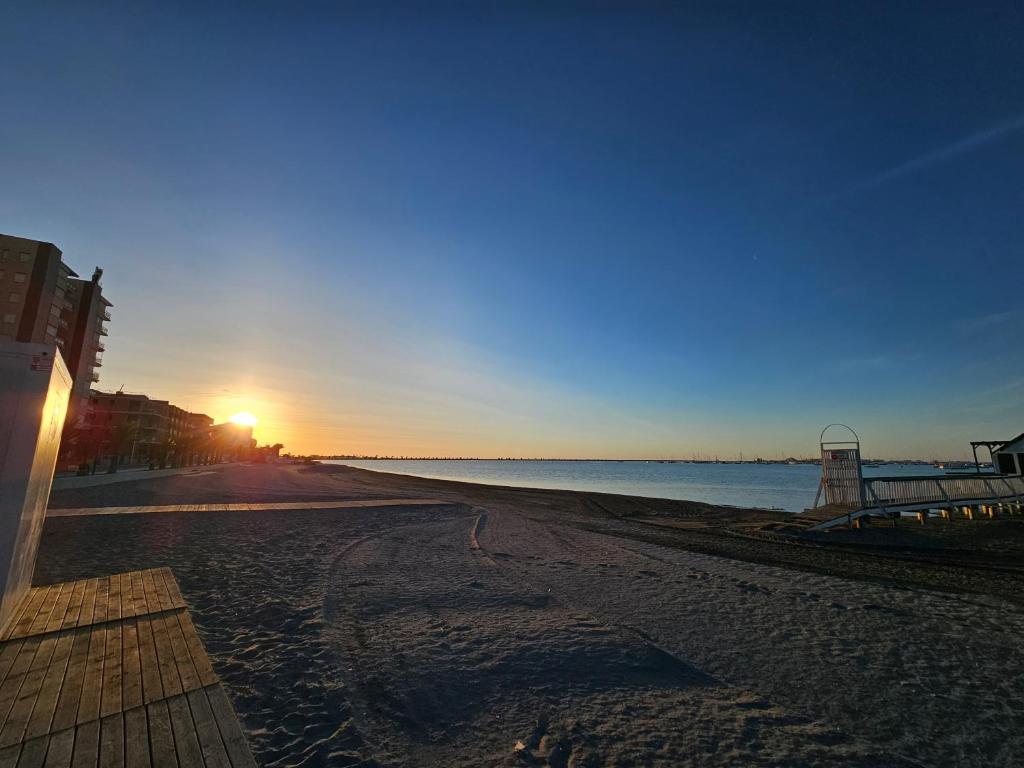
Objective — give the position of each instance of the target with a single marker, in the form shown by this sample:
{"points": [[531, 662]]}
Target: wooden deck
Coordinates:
{"points": [[950, 494], [110, 672]]}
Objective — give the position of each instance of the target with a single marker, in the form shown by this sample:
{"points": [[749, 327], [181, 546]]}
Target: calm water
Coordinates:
{"points": [[777, 486]]}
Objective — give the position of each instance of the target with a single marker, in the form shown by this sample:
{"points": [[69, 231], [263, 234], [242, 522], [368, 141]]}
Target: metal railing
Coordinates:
{"points": [[942, 491]]}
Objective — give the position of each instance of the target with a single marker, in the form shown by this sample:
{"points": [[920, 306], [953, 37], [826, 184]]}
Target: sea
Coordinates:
{"points": [[789, 487]]}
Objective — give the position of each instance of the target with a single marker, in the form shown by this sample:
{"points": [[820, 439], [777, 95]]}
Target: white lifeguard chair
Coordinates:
{"points": [[842, 479]]}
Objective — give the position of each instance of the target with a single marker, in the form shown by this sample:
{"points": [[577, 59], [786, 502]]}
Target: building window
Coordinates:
{"points": [[5, 256], [9, 318], [51, 330], [19, 277], [14, 297], [24, 256]]}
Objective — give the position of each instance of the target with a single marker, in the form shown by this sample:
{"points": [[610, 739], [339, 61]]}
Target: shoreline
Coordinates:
{"points": [[776, 487]]}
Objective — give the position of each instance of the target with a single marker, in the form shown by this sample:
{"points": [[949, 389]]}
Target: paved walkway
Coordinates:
{"points": [[60, 482], [256, 507]]}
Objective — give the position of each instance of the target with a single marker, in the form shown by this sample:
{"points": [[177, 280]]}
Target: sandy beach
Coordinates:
{"points": [[508, 626]]}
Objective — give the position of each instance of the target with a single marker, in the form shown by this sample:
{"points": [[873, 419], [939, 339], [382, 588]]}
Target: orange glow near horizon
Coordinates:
{"points": [[244, 418]]}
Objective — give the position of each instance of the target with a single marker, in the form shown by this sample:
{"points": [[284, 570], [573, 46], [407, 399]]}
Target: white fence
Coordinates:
{"points": [[948, 490]]}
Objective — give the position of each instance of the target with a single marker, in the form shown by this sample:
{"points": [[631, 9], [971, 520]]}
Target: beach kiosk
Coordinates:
{"points": [[34, 390], [1008, 459]]}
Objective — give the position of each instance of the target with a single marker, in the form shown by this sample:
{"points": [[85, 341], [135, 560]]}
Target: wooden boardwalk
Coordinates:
{"points": [[110, 672], [951, 495], [269, 506]]}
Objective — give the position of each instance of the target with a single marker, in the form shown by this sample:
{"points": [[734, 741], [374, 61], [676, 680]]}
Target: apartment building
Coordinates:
{"points": [[42, 300]]}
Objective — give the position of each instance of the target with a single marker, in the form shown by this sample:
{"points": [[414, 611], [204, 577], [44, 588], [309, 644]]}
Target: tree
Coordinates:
{"points": [[122, 438]]}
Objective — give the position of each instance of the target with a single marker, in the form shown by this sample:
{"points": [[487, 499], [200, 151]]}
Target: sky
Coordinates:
{"points": [[634, 230]]}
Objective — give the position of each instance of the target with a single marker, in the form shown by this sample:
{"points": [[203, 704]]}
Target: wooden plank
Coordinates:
{"points": [[60, 607], [131, 668], [152, 600], [127, 596], [136, 738], [102, 593], [182, 658], [66, 713], [89, 704], [165, 658], [110, 697], [87, 745], [62, 746], [210, 742], [230, 729], [60, 750], [161, 738], [199, 658], [16, 720], [46, 702], [161, 591], [8, 654], [138, 594], [16, 677], [88, 603], [9, 756], [177, 599], [114, 598], [27, 612], [42, 618], [75, 605], [112, 741], [186, 742], [33, 753], [152, 688]]}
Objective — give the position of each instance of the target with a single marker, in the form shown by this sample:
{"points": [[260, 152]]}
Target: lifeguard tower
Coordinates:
{"points": [[850, 498]]}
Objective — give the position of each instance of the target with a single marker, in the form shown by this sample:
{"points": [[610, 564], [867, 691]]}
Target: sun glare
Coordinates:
{"points": [[244, 418]]}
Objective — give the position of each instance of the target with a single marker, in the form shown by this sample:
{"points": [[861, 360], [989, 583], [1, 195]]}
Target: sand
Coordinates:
{"points": [[521, 627]]}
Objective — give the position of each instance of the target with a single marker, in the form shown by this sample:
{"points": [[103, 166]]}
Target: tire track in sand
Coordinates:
{"points": [[457, 661]]}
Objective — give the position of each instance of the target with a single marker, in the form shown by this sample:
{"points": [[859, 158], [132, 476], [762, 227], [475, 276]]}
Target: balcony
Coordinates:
{"points": [[97, 362], [103, 331], [99, 346], [105, 315], [94, 376]]}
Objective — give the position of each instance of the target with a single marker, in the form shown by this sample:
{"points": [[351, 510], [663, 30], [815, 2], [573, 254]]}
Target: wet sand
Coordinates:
{"points": [[526, 627]]}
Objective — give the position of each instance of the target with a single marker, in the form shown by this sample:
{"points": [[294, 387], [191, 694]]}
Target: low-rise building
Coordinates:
{"points": [[132, 428]]}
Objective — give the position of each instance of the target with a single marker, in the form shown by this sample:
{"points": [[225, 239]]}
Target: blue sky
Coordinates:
{"points": [[635, 229]]}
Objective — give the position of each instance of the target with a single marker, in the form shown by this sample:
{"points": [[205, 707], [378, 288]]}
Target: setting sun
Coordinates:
{"points": [[244, 418]]}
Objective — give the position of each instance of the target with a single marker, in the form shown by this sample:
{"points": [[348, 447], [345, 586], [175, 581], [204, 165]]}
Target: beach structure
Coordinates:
{"points": [[1007, 456], [34, 389], [850, 498], [99, 672]]}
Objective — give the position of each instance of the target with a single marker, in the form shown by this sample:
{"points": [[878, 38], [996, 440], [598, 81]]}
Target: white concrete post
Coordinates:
{"points": [[34, 390]]}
